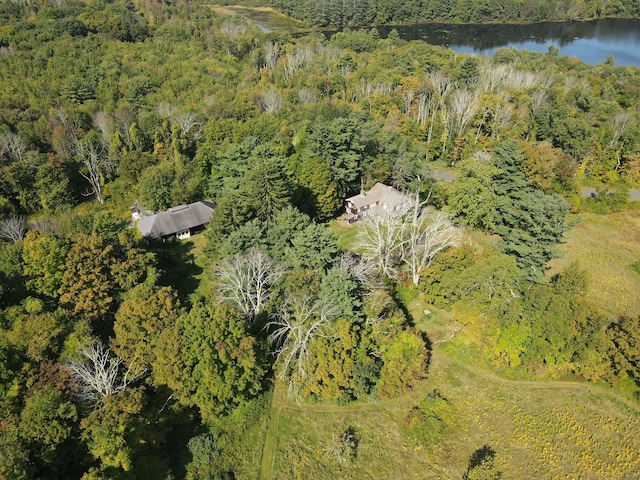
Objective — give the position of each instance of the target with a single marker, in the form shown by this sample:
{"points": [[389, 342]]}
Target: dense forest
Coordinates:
{"points": [[337, 13], [122, 359]]}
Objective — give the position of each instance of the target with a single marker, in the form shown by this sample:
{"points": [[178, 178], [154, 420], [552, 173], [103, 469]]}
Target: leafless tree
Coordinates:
{"points": [[93, 153], [246, 280], [619, 123], [464, 105], [233, 29], [307, 96], [429, 232], [296, 323], [359, 268], [381, 238], [189, 125], [407, 100], [437, 101], [166, 110], [125, 117], [490, 78], [296, 61], [342, 448], [271, 101], [271, 54], [426, 105], [12, 146], [13, 228], [100, 374], [501, 113], [104, 124]]}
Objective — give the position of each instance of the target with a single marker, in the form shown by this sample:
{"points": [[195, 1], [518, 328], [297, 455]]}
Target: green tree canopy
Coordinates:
{"points": [[210, 360]]}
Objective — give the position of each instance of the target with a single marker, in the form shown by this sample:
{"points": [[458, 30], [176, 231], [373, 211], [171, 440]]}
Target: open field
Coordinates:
{"points": [[266, 18], [539, 430], [607, 246]]}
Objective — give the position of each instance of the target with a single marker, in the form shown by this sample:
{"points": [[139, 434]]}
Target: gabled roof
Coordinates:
{"points": [[176, 219], [386, 195]]}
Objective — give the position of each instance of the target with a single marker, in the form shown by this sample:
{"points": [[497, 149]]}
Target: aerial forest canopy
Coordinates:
{"points": [[337, 13], [124, 359]]}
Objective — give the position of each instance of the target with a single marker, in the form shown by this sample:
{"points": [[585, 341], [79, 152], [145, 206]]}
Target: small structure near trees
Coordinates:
{"points": [[181, 221], [380, 199]]}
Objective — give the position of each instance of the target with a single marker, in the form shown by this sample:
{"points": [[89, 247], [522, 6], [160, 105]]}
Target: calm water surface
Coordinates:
{"points": [[591, 42]]}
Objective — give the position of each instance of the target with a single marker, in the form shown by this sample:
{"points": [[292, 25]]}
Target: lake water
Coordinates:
{"points": [[591, 42]]}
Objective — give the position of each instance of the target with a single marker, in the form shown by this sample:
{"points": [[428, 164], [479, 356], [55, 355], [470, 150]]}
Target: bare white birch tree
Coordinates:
{"points": [[359, 268], [271, 101], [296, 323], [619, 124], [271, 54], [429, 232], [104, 124], [307, 96], [464, 105], [407, 100], [13, 228], [296, 61], [166, 110], [381, 238], [12, 146], [501, 114], [93, 152], [189, 125], [246, 280], [100, 374]]}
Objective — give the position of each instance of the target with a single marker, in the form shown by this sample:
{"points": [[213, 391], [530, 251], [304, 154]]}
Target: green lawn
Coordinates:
{"points": [[347, 233]]}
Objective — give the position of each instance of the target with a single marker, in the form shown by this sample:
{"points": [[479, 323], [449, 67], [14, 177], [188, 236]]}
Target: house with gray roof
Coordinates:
{"points": [[181, 221], [381, 198]]}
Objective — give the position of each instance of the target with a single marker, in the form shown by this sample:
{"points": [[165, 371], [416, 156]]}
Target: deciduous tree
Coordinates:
{"points": [[144, 313], [101, 374], [13, 228], [246, 281], [44, 258], [296, 323], [210, 360]]}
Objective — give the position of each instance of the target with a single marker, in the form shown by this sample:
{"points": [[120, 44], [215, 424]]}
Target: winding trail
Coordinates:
{"points": [[440, 360]]}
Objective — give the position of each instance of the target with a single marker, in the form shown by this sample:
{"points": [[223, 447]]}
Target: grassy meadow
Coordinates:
{"points": [[553, 430], [607, 246], [538, 429]]}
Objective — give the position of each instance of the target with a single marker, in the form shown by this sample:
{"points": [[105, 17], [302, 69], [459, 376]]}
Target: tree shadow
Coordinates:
{"points": [[481, 465], [178, 267]]}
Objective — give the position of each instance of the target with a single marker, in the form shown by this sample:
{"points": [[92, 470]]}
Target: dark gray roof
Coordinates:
{"points": [[176, 219]]}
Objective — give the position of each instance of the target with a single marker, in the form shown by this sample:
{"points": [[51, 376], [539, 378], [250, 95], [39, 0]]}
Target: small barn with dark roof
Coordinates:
{"points": [[181, 221]]}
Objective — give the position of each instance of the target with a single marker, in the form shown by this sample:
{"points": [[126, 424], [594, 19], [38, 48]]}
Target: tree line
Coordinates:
{"points": [[332, 13]]}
